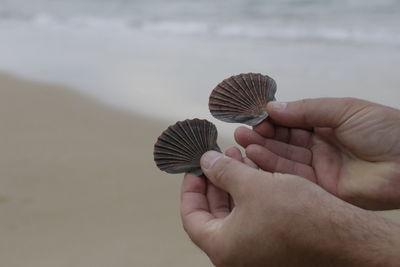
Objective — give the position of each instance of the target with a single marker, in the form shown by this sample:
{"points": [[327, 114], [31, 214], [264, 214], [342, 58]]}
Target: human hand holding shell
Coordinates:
{"points": [[349, 147], [245, 217], [241, 98]]}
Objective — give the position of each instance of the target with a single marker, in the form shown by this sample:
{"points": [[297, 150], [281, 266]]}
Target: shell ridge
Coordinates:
{"points": [[198, 134], [242, 91], [217, 101], [167, 153], [170, 161], [226, 106], [187, 129], [173, 142], [265, 94], [161, 151], [211, 135], [250, 91], [190, 132], [270, 87], [273, 88], [185, 134], [242, 100], [177, 130], [181, 146], [261, 87], [205, 134], [261, 97], [238, 90], [257, 92]]}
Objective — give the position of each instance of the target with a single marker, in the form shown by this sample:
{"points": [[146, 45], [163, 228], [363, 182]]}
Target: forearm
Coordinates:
{"points": [[369, 240], [355, 237]]}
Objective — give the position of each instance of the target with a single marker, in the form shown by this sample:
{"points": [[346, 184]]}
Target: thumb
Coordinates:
{"points": [[225, 172], [319, 112]]}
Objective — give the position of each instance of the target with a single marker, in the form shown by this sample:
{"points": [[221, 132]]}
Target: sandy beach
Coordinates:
{"points": [[78, 186], [87, 86]]}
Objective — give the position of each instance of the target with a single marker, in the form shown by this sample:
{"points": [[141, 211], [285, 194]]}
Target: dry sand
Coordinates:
{"points": [[78, 186]]}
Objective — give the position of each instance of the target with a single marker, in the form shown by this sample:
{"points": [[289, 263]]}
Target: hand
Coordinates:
{"points": [[279, 220], [349, 147]]}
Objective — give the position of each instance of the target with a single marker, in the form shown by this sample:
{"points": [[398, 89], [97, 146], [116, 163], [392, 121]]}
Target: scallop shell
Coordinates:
{"points": [[242, 98], [180, 147]]}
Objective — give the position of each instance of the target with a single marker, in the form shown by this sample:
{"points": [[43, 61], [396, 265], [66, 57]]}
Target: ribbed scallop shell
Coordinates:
{"points": [[180, 147], [243, 98]]}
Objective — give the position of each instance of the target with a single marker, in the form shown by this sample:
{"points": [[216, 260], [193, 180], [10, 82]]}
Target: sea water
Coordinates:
{"points": [[163, 58]]}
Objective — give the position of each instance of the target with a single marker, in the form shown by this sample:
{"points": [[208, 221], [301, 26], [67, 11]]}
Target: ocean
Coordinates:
{"points": [[363, 21], [162, 58]]}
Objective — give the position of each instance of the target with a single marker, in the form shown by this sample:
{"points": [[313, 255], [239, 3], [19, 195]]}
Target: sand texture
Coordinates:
{"points": [[78, 186]]}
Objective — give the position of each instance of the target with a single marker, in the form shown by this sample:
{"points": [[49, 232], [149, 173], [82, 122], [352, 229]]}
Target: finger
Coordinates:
{"points": [[301, 137], [227, 173], [271, 162], [246, 137], [195, 212], [297, 137], [282, 134], [328, 134], [250, 163], [265, 129], [288, 151], [322, 112], [234, 153], [219, 201]]}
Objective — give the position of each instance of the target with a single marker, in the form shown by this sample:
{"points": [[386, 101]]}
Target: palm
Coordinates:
{"points": [[337, 164]]}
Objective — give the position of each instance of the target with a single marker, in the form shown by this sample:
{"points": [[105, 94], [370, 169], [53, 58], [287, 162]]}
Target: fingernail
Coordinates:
{"points": [[209, 158], [278, 106]]}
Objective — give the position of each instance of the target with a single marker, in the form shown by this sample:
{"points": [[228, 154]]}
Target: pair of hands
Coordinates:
{"points": [[329, 150]]}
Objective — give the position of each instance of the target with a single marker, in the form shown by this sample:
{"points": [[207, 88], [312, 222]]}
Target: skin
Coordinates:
{"points": [[243, 216], [349, 147], [279, 220]]}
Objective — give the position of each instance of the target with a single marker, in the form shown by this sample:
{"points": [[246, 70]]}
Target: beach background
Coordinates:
{"points": [[87, 86]]}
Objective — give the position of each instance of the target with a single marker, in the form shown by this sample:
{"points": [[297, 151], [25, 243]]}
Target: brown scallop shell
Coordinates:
{"points": [[180, 147], [242, 98]]}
